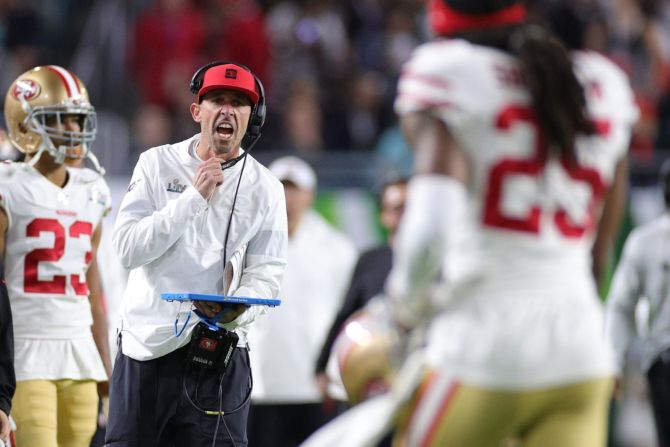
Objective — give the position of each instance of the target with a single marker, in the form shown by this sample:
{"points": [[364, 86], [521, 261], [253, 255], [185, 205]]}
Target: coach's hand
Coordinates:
{"points": [[211, 309], [208, 176]]}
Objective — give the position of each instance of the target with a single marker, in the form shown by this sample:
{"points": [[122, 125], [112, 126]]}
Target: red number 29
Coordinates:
{"points": [[508, 168], [31, 282]]}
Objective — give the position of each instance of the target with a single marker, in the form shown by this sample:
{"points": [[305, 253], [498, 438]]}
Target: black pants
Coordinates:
{"points": [[659, 387], [286, 425], [148, 405]]}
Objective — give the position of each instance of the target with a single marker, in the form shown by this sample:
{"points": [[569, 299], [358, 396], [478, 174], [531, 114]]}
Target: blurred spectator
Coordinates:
{"points": [[364, 21], [151, 127], [571, 20], [308, 40], [286, 404], [170, 33], [236, 30], [636, 44], [23, 41], [632, 34], [299, 127], [177, 80], [356, 124], [400, 37], [383, 33]]}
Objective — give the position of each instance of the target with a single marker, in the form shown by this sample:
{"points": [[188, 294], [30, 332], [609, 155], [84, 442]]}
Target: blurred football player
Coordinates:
{"points": [[520, 180], [520, 152], [49, 233]]}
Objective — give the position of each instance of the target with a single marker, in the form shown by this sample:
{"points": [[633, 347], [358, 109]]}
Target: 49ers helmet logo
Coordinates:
{"points": [[26, 88]]}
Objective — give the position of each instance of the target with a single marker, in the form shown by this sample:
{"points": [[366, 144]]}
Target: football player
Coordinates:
{"points": [[520, 171], [519, 185], [50, 218]]}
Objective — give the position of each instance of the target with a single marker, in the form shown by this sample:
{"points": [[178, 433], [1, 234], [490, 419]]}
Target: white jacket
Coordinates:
{"points": [[173, 239]]}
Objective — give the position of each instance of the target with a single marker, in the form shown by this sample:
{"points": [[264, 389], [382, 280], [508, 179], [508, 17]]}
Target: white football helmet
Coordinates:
{"points": [[35, 105]]}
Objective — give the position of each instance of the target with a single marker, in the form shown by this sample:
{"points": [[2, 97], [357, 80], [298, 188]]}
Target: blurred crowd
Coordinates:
{"points": [[329, 67]]}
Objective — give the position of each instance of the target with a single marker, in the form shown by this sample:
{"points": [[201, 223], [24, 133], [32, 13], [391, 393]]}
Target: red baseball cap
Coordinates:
{"points": [[230, 77]]}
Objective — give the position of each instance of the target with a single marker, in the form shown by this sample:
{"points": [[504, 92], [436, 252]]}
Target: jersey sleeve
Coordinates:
{"points": [[610, 98], [8, 175], [105, 197], [99, 191], [432, 80]]}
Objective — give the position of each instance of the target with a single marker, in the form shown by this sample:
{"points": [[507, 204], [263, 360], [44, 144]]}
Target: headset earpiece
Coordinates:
{"points": [[258, 112]]}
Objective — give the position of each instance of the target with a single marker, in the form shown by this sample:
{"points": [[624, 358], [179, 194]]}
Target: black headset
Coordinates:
{"points": [[257, 118]]}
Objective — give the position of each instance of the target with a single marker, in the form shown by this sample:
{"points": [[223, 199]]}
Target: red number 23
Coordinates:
{"points": [[31, 282], [508, 168]]}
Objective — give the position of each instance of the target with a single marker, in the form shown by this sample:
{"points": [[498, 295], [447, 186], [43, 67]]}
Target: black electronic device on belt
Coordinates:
{"points": [[211, 348]]}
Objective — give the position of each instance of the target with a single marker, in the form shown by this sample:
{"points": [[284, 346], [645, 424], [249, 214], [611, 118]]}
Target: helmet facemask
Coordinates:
{"points": [[60, 143]]}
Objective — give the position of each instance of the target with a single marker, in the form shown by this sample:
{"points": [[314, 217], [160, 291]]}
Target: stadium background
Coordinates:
{"points": [[330, 69]]}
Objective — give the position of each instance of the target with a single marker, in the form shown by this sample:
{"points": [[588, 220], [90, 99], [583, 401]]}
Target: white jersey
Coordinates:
{"points": [[525, 311], [172, 239], [286, 342], [47, 252]]}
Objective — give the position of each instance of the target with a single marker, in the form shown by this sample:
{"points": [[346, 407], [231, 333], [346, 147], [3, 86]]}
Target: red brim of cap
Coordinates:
{"points": [[445, 20], [230, 77]]}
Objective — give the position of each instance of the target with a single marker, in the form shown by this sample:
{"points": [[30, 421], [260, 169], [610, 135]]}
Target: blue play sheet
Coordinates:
{"points": [[221, 299]]}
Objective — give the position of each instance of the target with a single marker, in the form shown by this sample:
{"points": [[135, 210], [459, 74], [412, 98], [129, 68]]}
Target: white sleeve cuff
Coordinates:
{"points": [[434, 216]]}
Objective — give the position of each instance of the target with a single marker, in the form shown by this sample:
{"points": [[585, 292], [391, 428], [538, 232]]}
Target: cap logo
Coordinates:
{"points": [[26, 88], [231, 73]]}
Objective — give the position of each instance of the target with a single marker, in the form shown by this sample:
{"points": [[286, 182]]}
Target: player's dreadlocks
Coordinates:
{"points": [[557, 96]]}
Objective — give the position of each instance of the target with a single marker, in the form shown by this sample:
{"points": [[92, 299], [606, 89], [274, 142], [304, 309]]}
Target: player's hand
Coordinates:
{"points": [[208, 176], [103, 388], [4, 427]]}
